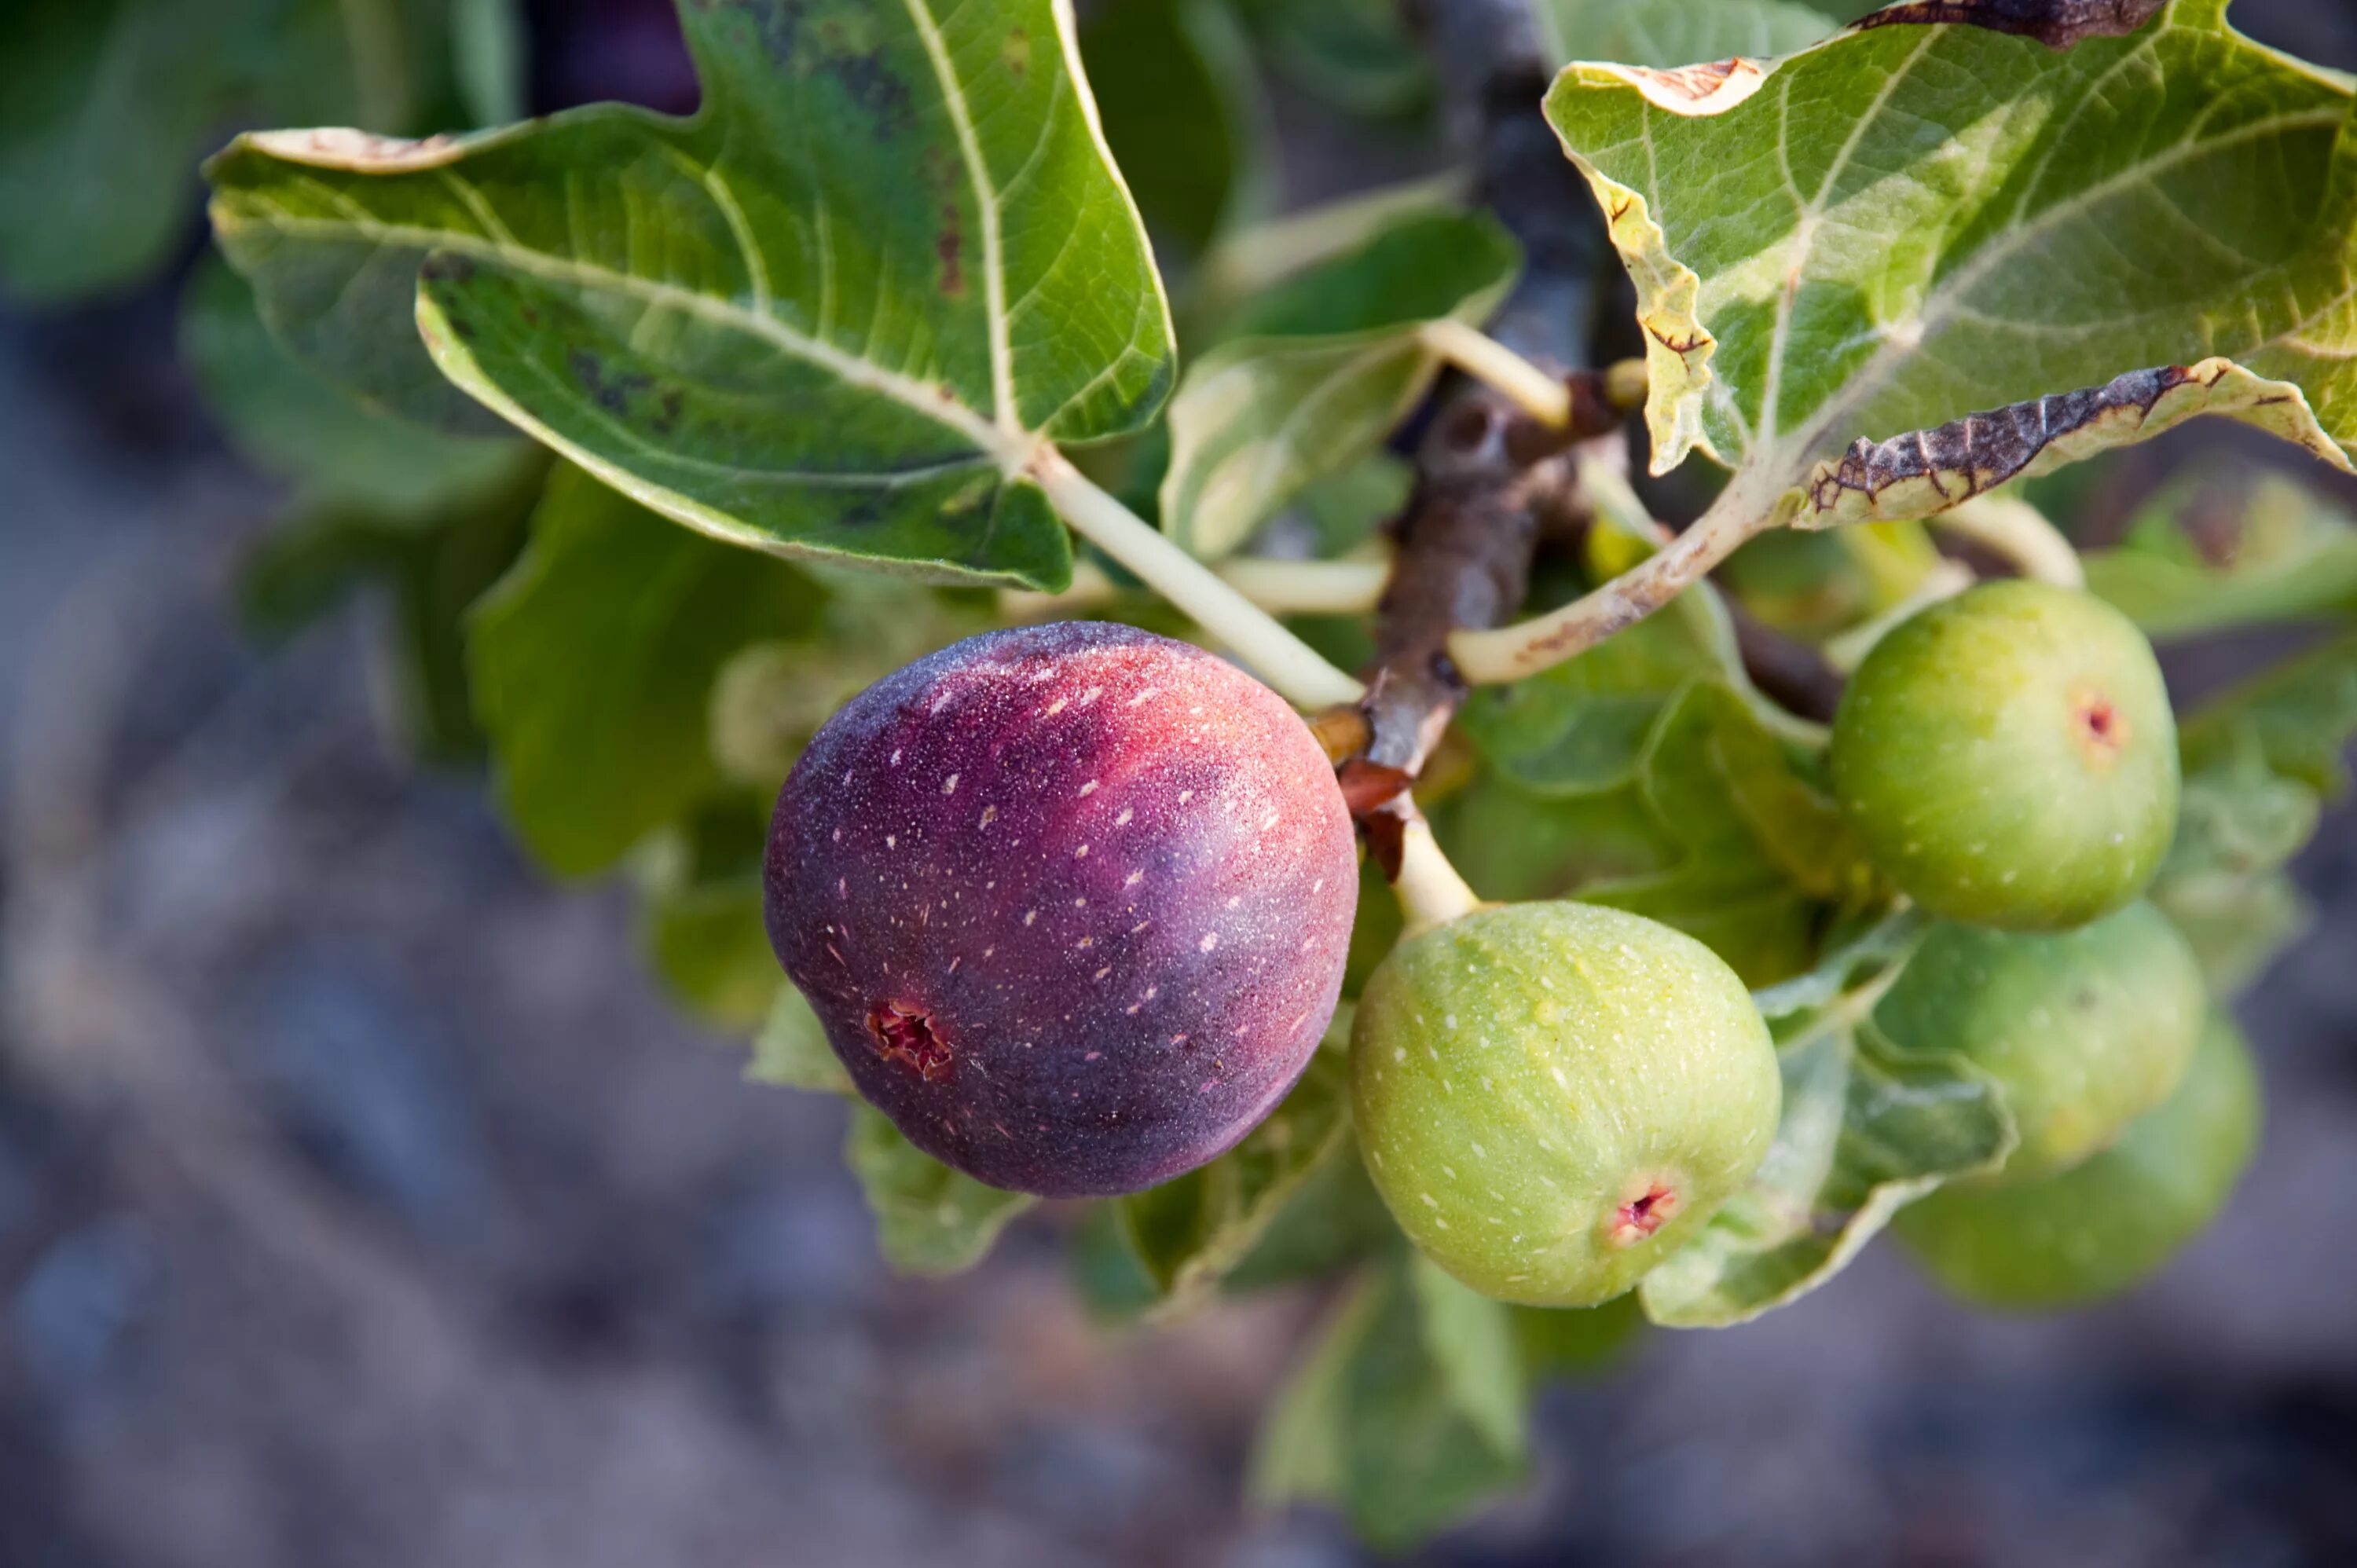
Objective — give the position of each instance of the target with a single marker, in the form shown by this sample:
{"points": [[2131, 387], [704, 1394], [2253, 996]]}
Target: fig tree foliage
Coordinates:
{"points": [[686, 444]]}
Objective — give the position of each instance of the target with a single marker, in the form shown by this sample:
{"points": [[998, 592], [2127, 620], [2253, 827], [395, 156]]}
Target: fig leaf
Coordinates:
{"points": [[837, 312], [1867, 1129], [1907, 224], [1407, 1413], [594, 663]]}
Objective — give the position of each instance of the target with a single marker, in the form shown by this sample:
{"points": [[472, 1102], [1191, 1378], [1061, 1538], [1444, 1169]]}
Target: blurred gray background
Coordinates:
{"points": [[362, 1205]]}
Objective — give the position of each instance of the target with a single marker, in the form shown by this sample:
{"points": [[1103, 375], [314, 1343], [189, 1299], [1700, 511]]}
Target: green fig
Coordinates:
{"points": [[2009, 758], [2094, 1231], [1552, 1096], [2083, 1031]]}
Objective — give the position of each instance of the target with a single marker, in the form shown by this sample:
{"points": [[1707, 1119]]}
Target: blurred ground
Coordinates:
{"points": [[361, 1207]]}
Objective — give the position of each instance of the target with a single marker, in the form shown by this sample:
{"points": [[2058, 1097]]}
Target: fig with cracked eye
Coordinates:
{"points": [[1071, 901], [1553, 1097], [2083, 1031], [2009, 758], [2114, 1220]]}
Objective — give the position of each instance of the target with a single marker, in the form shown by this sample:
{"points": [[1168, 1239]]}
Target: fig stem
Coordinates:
{"points": [[1290, 666], [1510, 653], [1544, 398], [1348, 586], [1430, 891], [2020, 534]]}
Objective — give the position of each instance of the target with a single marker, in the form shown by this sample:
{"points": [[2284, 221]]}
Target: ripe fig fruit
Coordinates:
{"points": [[2085, 1031], [2096, 1229], [1551, 1096], [2010, 759], [1072, 902]]}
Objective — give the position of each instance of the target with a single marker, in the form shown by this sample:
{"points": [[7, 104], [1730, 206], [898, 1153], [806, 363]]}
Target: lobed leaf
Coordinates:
{"points": [[1320, 371], [1908, 223], [836, 313], [930, 1220]]}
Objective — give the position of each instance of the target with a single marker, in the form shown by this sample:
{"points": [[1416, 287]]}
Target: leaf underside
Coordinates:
{"points": [[837, 312]]}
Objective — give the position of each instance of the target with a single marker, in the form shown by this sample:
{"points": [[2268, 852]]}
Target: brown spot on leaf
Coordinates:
{"points": [[1968, 456], [948, 246], [1709, 89], [2057, 24]]}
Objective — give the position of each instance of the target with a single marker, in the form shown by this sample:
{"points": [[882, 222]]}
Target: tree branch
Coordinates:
{"points": [[1489, 477]]}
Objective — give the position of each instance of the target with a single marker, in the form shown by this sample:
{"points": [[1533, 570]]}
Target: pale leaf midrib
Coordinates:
{"points": [[994, 274], [1012, 449]]}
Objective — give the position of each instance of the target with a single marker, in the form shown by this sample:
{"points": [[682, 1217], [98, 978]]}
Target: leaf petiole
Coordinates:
{"points": [[1289, 665], [1742, 511], [1544, 397], [2019, 532], [1343, 586]]}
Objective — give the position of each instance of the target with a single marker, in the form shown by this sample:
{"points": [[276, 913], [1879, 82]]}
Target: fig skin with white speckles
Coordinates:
{"points": [[1552, 1098], [1072, 902]]}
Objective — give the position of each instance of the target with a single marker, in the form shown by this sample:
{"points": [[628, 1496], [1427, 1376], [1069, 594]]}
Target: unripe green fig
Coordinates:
{"points": [[1552, 1096], [2094, 1231], [2009, 758], [2083, 1031]]}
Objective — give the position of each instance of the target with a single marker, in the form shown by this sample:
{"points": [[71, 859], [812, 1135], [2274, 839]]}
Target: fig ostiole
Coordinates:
{"points": [[1071, 901], [2009, 758], [1552, 1096], [2114, 1220], [2084, 1030]]}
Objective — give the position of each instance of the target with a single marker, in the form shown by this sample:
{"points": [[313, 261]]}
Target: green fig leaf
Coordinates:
{"points": [[930, 1220], [837, 313], [593, 665], [302, 428], [2211, 551], [1319, 370], [791, 1051], [1667, 33], [1188, 1232], [106, 105], [1183, 115], [1356, 55], [1867, 1128], [2259, 759], [1407, 1413], [2299, 716], [1906, 226]]}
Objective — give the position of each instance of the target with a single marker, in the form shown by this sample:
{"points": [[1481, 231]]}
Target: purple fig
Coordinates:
{"points": [[1072, 902]]}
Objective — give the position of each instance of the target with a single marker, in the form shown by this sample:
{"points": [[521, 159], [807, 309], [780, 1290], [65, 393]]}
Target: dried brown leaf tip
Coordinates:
{"points": [[2057, 24], [1928, 471]]}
